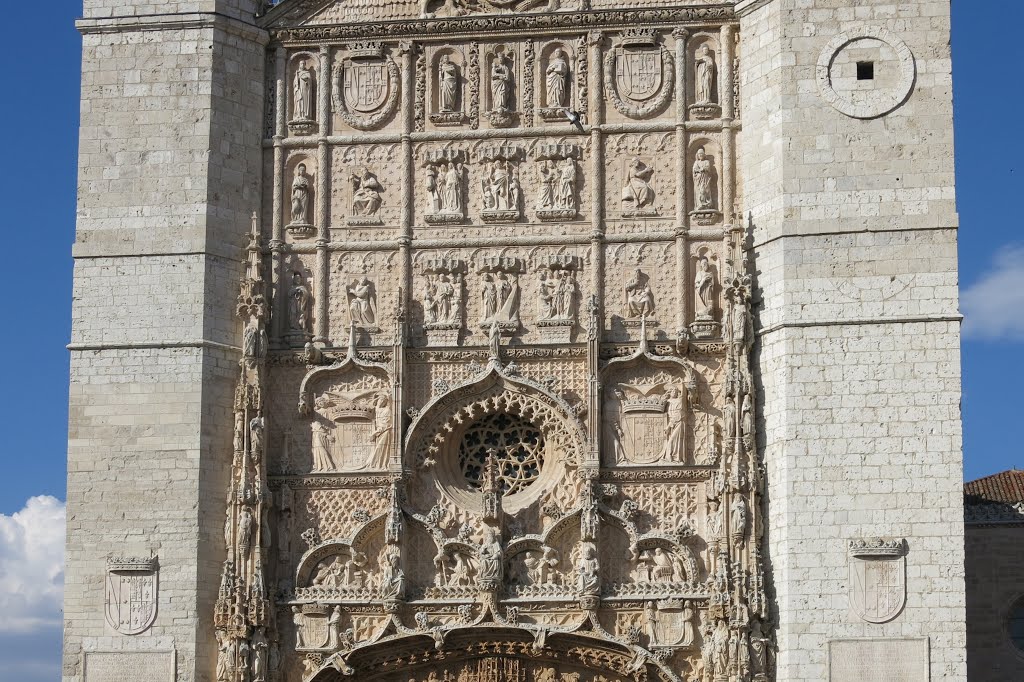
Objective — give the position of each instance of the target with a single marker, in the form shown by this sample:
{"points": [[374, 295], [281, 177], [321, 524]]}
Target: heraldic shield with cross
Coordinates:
{"points": [[366, 84]]}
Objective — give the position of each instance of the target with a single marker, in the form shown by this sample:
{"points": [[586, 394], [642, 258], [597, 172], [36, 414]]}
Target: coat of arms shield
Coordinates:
{"points": [[878, 579], [130, 603], [365, 84], [638, 72]]}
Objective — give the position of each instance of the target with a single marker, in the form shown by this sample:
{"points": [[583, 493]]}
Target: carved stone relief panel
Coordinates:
{"points": [[350, 414], [640, 287], [640, 180], [364, 296], [364, 192]]}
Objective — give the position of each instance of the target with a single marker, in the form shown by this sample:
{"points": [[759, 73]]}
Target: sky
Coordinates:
{"points": [[38, 193]]}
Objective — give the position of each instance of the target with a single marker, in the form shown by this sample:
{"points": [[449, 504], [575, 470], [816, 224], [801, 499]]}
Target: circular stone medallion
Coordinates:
{"points": [[866, 74]]}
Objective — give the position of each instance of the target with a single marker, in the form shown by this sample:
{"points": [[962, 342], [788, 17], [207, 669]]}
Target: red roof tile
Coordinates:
{"points": [[1006, 487]]}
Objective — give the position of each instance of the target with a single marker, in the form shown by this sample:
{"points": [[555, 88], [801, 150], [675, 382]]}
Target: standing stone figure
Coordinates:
{"points": [[362, 303], [298, 304], [381, 434], [429, 302], [223, 656], [501, 83], [558, 80], [489, 299], [448, 81], [720, 647], [259, 656], [545, 296], [300, 196], [738, 514], [566, 195], [705, 71], [302, 92], [704, 200], [703, 286], [444, 293], [588, 572], [433, 190], [451, 188], [323, 441], [548, 173], [672, 451]]}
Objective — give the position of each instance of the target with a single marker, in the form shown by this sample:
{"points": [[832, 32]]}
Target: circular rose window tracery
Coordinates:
{"points": [[517, 445]]}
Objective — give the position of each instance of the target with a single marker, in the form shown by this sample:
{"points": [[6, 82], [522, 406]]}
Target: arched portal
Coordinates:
{"points": [[493, 654]]}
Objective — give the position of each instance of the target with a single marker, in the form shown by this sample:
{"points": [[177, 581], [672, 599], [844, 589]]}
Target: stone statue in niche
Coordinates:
{"points": [[445, 193], [705, 71], [501, 83], [639, 297], [491, 560], [704, 200], [637, 193], [501, 190], [738, 518], [302, 92], [298, 308], [558, 81], [449, 105], [301, 186], [588, 579], [448, 85], [558, 182], [362, 303], [499, 298], [704, 325], [366, 199], [703, 287], [557, 295], [394, 577], [705, 76]]}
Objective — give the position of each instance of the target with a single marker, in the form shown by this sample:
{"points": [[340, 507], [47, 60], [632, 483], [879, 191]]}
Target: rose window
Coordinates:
{"points": [[516, 444]]}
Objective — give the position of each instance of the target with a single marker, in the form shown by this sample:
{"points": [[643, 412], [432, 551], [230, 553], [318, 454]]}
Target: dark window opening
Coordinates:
{"points": [[865, 71]]}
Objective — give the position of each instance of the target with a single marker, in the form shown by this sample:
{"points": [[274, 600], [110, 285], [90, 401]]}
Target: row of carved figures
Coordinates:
{"points": [[442, 298], [501, 191], [448, 76]]}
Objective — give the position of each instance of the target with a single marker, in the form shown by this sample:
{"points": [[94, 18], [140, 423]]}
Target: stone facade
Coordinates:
{"points": [[573, 341]]}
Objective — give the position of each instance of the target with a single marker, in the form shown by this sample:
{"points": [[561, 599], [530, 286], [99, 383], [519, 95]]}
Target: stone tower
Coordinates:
{"points": [[488, 340]]}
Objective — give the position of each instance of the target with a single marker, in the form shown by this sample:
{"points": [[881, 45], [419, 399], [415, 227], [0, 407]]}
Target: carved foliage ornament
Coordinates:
{"points": [[365, 86]]}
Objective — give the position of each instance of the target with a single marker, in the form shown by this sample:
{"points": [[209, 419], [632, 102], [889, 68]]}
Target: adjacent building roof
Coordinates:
{"points": [[1006, 487]]}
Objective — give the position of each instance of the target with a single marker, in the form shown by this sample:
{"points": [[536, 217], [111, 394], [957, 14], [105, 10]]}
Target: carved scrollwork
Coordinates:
{"points": [[365, 121]]}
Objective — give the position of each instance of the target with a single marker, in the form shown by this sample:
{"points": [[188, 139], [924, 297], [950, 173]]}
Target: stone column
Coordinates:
{"points": [[682, 183], [277, 276]]}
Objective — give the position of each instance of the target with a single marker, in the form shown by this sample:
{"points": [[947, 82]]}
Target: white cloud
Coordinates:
{"points": [[32, 566], [994, 305]]}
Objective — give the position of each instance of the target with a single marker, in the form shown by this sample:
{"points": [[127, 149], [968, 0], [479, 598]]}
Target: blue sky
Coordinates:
{"points": [[38, 191]]}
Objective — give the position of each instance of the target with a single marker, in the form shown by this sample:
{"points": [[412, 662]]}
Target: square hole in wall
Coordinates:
{"points": [[865, 71]]}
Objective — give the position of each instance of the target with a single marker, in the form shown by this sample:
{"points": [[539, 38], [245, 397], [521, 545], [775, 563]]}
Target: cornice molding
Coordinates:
{"points": [[173, 22], [448, 28]]}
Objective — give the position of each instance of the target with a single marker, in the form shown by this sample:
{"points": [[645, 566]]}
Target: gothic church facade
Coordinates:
{"points": [[486, 340]]}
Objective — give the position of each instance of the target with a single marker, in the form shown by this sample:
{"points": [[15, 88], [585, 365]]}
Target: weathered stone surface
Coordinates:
{"points": [[570, 343]]}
